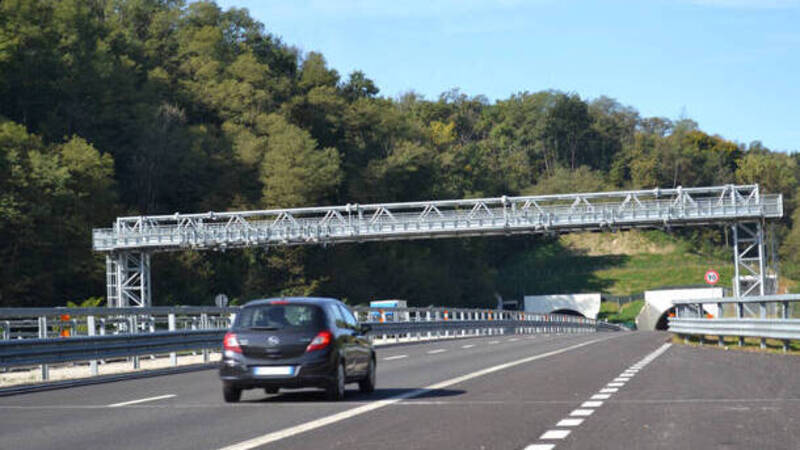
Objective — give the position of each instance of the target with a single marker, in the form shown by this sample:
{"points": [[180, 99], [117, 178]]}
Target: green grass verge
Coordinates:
{"points": [[611, 312], [640, 272]]}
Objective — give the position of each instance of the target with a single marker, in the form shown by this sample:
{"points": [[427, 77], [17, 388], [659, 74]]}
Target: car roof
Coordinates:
{"points": [[305, 300]]}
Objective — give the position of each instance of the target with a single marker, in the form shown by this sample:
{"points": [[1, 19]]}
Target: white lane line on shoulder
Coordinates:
{"points": [[586, 408], [468, 346], [569, 422], [555, 434], [338, 417], [438, 350], [391, 358], [540, 447], [141, 400]]}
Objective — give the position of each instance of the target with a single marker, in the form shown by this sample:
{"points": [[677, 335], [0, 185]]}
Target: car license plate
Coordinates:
{"points": [[273, 370]]}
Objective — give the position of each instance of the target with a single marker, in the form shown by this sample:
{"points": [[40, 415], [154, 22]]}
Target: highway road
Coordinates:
{"points": [[592, 391]]}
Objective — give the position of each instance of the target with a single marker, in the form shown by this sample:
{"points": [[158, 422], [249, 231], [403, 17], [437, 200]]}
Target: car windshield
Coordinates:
{"points": [[278, 317]]}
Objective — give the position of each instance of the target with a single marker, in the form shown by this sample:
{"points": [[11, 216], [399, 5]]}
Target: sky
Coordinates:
{"points": [[731, 65]]}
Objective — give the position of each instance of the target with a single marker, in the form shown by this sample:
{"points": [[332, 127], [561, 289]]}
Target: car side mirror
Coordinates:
{"points": [[366, 328]]}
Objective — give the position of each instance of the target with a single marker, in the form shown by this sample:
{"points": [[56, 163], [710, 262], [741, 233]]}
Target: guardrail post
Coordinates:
{"points": [[739, 315], [43, 335], [720, 338], [785, 315], [91, 331], [428, 318], [7, 330], [134, 325], [173, 356], [204, 325], [762, 312]]}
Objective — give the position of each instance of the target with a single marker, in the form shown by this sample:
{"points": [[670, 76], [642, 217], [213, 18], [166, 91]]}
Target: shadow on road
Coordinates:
{"points": [[352, 395]]}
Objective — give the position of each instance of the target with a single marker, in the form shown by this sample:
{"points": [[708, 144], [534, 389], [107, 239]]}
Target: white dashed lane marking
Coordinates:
{"points": [[392, 358], [576, 417], [438, 350], [569, 422], [555, 434]]}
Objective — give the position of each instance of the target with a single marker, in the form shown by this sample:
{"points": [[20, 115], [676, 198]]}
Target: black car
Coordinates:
{"points": [[296, 343]]}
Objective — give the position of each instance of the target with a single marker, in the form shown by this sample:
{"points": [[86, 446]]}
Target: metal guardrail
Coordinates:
{"points": [[691, 318], [22, 352], [132, 341]]}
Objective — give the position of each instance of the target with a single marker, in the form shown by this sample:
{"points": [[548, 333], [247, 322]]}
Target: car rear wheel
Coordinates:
{"points": [[231, 394], [335, 390], [367, 385]]}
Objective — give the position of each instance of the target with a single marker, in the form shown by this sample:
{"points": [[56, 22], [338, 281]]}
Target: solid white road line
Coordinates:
{"points": [[391, 358], [338, 417], [141, 400], [438, 350]]}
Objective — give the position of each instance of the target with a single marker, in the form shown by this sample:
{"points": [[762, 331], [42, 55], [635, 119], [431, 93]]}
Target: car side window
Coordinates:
{"points": [[352, 323], [338, 317]]}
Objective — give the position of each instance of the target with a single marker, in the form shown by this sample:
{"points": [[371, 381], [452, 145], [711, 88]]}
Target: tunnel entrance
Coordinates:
{"points": [[567, 312], [663, 321]]}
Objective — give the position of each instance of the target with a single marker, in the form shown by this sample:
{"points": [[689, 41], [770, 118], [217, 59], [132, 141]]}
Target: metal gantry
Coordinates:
{"points": [[131, 241]]}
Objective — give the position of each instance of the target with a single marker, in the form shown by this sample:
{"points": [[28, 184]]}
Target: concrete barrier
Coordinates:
{"points": [[586, 305], [658, 305]]}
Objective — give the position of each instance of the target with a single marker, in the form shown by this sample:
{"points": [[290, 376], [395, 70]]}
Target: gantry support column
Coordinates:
{"points": [[128, 279], [748, 259]]}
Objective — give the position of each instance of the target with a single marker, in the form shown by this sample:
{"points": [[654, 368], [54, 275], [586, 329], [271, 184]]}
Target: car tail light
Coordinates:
{"points": [[230, 342], [320, 341], [279, 302]]}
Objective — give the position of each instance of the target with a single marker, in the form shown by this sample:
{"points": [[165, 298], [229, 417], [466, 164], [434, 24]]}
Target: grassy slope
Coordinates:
{"points": [[648, 260]]}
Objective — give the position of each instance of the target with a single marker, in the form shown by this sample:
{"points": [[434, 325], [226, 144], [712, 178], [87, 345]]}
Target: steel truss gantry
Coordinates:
{"points": [[131, 241]]}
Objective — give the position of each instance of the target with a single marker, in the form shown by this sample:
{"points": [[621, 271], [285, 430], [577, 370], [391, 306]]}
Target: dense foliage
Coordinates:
{"points": [[112, 107]]}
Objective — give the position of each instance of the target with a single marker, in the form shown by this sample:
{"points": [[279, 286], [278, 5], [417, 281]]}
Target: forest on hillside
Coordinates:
{"points": [[129, 107]]}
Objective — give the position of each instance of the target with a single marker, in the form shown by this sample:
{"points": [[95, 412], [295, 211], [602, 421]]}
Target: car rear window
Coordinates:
{"points": [[280, 317]]}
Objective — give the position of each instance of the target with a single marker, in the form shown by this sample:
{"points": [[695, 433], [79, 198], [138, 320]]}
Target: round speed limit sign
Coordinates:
{"points": [[712, 277]]}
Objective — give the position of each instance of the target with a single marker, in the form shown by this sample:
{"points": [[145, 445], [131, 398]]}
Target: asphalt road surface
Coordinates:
{"points": [[593, 391]]}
